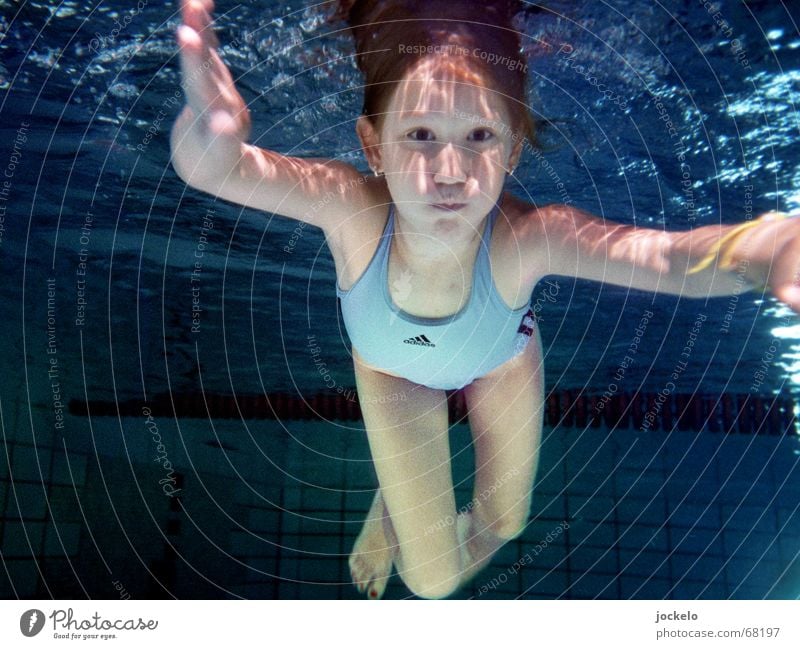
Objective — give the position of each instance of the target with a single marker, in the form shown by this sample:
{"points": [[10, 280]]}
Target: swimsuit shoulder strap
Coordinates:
{"points": [[486, 238]]}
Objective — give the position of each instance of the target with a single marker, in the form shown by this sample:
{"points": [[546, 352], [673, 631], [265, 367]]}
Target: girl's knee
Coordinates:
{"points": [[432, 584], [431, 571], [510, 528], [506, 525], [512, 523]]}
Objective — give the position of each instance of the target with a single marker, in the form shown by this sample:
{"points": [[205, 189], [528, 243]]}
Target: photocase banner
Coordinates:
{"points": [[630, 623]]}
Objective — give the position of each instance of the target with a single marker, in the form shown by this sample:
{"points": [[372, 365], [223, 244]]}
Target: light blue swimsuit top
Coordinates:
{"points": [[444, 353]]}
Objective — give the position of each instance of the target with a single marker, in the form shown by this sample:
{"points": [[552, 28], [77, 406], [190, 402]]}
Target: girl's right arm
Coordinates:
{"points": [[210, 150]]}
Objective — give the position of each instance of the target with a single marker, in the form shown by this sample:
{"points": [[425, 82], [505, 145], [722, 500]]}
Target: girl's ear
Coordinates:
{"points": [[516, 153], [370, 142]]}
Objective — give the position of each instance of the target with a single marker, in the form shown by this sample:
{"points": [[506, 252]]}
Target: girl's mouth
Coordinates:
{"points": [[450, 207]]}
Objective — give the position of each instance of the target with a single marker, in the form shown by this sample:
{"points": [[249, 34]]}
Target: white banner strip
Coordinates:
{"points": [[399, 624]]}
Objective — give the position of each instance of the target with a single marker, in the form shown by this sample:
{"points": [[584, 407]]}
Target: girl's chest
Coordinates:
{"points": [[449, 290], [443, 290]]}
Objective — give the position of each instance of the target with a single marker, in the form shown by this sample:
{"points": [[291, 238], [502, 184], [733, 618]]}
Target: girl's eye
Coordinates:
{"points": [[481, 135], [421, 135]]}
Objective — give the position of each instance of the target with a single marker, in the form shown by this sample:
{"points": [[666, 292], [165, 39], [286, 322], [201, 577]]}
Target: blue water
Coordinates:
{"points": [[92, 96], [93, 203]]}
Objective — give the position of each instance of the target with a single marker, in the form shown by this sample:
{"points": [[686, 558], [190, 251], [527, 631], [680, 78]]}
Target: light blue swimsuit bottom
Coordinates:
{"points": [[444, 353]]}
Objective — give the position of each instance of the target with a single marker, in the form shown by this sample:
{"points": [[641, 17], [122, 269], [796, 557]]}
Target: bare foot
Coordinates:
{"points": [[374, 551]]}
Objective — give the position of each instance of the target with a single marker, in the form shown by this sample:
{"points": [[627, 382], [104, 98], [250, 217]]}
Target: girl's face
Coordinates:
{"points": [[445, 143]]}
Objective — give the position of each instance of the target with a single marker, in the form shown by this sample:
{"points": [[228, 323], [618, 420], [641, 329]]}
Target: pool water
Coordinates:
{"points": [[121, 284]]}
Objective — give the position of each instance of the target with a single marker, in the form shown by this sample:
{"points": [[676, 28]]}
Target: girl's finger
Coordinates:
{"points": [[789, 295], [189, 39], [191, 15], [785, 271], [221, 124], [198, 63], [207, 4], [195, 15]]}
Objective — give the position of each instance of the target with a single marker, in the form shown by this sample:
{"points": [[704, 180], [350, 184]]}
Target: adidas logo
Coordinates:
{"points": [[419, 340]]}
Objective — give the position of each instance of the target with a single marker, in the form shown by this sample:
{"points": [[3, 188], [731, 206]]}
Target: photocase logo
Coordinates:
{"points": [[31, 622]]}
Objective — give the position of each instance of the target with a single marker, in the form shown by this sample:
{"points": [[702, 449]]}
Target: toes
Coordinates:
{"points": [[355, 576], [357, 573], [377, 587], [365, 580]]}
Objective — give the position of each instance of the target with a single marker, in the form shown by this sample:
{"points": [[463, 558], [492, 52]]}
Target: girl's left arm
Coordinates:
{"points": [[707, 261]]}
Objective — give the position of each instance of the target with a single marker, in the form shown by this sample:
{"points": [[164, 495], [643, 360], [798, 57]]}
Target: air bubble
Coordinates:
{"points": [[123, 91]]}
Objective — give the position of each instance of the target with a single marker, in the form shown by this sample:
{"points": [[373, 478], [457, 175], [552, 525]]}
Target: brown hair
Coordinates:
{"points": [[393, 35]]}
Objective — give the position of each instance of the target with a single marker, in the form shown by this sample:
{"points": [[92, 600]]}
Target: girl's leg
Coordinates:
{"points": [[407, 429], [505, 415]]}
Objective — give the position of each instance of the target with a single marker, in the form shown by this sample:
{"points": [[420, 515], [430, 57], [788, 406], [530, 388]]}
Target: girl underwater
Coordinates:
{"points": [[436, 263]]}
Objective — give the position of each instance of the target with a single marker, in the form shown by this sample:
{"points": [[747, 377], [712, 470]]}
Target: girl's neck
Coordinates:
{"points": [[437, 244]]}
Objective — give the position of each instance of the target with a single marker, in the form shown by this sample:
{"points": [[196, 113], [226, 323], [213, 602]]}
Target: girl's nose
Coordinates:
{"points": [[449, 166]]}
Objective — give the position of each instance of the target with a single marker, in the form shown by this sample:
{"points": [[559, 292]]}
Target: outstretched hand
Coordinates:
{"points": [[774, 250], [215, 107]]}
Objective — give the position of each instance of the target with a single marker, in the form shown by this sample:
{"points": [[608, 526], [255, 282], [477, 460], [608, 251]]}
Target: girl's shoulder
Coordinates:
{"points": [[530, 223], [520, 219], [523, 234], [361, 222]]}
